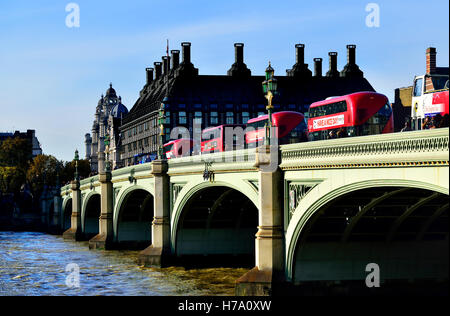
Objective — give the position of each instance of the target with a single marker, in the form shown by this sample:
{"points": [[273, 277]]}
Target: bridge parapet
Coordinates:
{"points": [[238, 160], [428, 147]]}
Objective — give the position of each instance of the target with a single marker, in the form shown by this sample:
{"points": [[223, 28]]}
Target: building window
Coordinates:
{"points": [[245, 117], [135, 145], [130, 133], [140, 143], [129, 147], [146, 141], [214, 118], [292, 107], [182, 106], [146, 126], [182, 118], [167, 121], [230, 118], [198, 117], [245, 106], [141, 128], [213, 106]]}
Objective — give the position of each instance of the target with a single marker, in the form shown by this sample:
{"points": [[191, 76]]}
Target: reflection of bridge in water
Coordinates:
{"points": [[327, 210]]}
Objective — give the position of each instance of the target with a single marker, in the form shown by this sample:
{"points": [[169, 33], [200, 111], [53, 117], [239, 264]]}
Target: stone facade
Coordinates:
{"points": [[108, 116]]}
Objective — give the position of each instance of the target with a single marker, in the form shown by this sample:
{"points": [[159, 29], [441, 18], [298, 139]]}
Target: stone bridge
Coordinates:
{"points": [[299, 213]]}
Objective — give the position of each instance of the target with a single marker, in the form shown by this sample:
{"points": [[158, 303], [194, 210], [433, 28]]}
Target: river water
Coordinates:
{"points": [[35, 264]]}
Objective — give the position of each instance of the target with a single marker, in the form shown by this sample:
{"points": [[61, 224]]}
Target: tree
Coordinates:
{"points": [[15, 152], [68, 172], [11, 179], [43, 170]]}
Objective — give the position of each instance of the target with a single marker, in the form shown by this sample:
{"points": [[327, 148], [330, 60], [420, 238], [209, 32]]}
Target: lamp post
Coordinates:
{"points": [[270, 90], [77, 176], [161, 121]]}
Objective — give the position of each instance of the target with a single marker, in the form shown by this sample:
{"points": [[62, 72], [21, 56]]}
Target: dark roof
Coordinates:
{"points": [[442, 71], [223, 89]]}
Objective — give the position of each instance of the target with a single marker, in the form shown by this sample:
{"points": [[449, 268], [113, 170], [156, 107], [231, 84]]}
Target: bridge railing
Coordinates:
{"points": [[427, 147], [243, 159]]}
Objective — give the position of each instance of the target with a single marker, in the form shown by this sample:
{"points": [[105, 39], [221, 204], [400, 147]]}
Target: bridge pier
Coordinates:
{"points": [[104, 239], [269, 244], [74, 232], [158, 253]]}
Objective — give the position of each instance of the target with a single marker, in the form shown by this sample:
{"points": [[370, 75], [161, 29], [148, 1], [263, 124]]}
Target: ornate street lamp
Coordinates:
{"points": [[270, 90], [77, 177], [161, 121], [107, 163]]}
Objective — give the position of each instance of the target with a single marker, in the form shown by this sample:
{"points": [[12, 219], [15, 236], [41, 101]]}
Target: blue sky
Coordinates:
{"points": [[52, 76]]}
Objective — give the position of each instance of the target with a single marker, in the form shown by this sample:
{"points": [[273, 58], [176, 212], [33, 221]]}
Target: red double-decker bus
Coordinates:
{"points": [[178, 148], [214, 139], [290, 127], [356, 114]]}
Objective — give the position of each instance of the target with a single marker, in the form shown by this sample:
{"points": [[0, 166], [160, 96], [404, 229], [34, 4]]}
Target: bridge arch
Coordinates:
{"points": [[207, 214], [90, 213], [66, 213], [133, 216], [314, 205]]}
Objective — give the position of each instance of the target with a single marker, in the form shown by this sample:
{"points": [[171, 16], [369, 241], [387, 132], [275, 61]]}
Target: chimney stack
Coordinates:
{"points": [[166, 64], [186, 51], [351, 60], [317, 67], [158, 71], [239, 68], [300, 54], [431, 60], [300, 69], [175, 58], [149, 72], [239, 53], [332, 72], [351, 69]]}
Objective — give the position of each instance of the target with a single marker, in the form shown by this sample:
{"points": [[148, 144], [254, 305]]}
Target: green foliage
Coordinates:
{"points": [[11, 179], [43, 170], [15, 152], [68, 172]]}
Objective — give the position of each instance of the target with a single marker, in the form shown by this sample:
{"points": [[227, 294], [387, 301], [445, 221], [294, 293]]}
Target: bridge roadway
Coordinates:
{"points": [[320, 211]]}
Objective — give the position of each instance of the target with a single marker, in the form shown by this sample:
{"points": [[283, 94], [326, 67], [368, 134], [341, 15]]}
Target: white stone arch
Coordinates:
{"points": [[198, 184], [84, 205], [314, 201], [124, 191]]}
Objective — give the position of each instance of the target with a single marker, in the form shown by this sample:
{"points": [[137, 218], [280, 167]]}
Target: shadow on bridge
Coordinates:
{"points": [[91, 217], [219, 225], [134, 220], [403, 230], [67, 214]]}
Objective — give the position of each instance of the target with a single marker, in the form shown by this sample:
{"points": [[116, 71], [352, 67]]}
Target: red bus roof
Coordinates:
{"points": [[352, 97], [177, 141], [276, 116]]}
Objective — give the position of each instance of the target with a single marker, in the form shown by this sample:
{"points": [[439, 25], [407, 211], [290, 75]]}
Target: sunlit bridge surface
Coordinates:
{"points": [[34, 264]]}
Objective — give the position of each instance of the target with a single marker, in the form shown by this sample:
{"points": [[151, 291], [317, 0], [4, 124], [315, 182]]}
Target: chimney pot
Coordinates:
{"points": [[300, 54], [333, 65], [149, 72], [166, 64], [239, 53], [186, 51], [175, 58], [317, 67], [351, 59], [158, 70]]}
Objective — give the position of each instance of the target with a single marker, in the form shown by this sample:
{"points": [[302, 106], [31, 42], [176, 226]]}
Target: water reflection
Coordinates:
{"points": [[34, 264]]}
